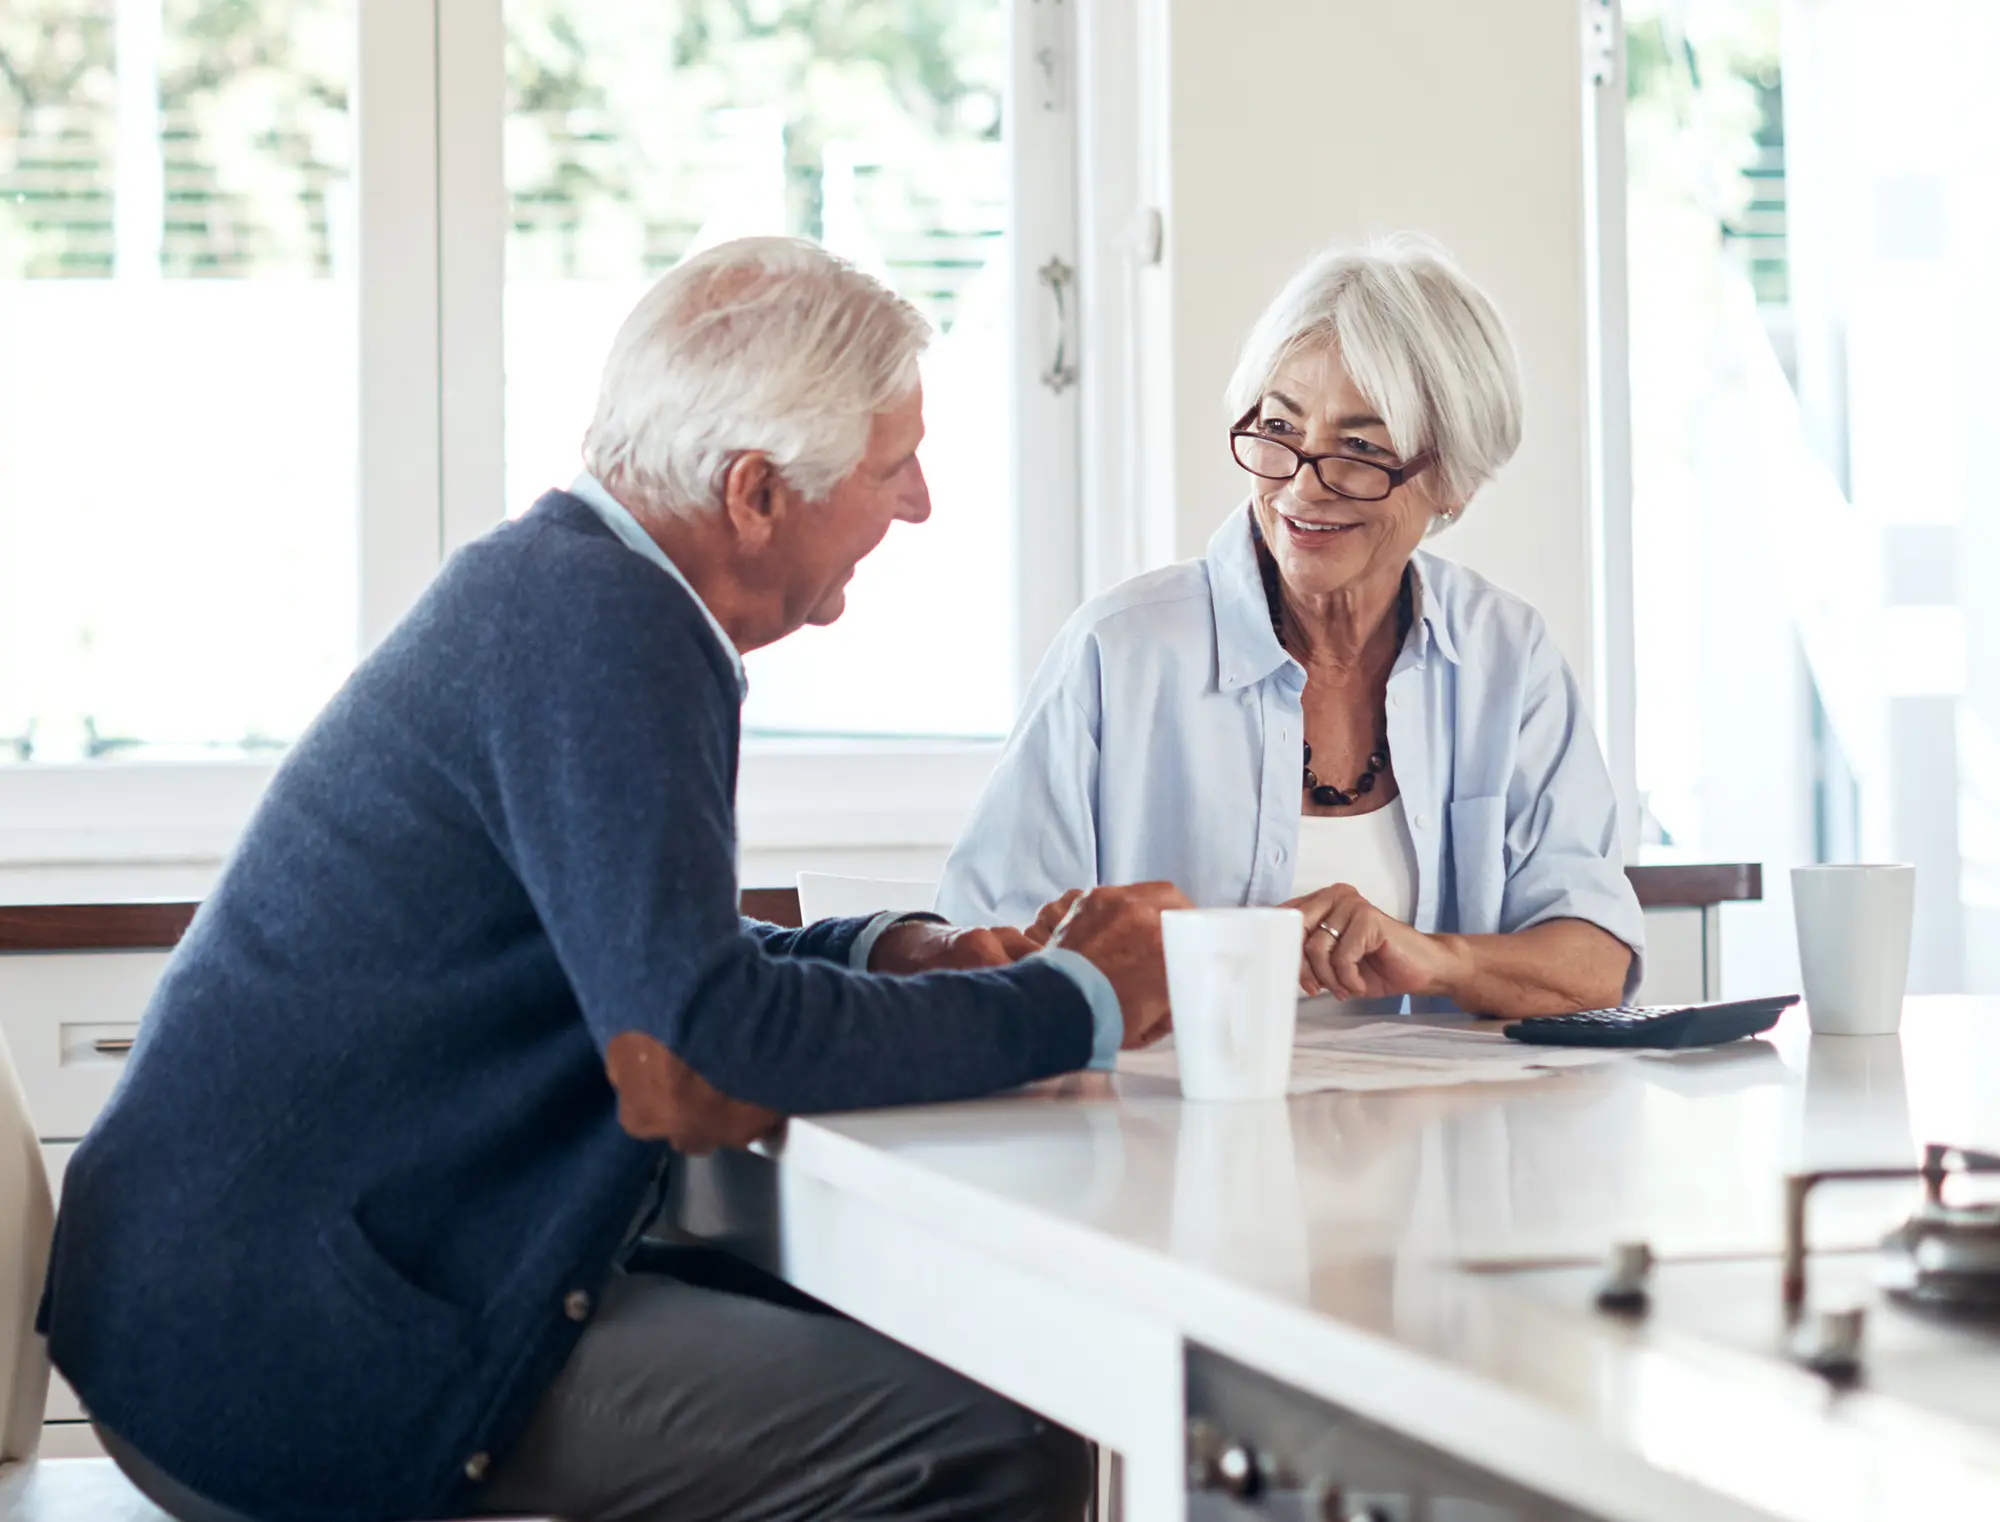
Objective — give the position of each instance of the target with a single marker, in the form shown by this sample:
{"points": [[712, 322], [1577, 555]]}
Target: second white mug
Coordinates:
{"points": [[1854, 945]]}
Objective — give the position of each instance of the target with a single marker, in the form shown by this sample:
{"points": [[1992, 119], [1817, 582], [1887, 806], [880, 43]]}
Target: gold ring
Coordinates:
{"points": [[1332, 934]]}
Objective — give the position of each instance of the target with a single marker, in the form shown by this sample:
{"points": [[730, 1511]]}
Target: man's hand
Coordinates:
{"points": [[926, 946], [1355, 951], [1052, 915], [1118, 929]]}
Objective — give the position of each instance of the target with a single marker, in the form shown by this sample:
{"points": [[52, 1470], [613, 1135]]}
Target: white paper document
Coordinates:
{"points": [[1395, 1055]]}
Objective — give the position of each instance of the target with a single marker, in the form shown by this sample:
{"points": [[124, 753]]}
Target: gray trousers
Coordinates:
{"points": [[685, 1402], [733, 1399]]}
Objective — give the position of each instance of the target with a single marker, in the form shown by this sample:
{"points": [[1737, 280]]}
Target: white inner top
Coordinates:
{"points": [[1372, 853]]}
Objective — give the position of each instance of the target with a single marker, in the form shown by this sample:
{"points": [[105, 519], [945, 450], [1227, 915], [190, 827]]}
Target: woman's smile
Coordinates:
{"points": [[1316, 533]]}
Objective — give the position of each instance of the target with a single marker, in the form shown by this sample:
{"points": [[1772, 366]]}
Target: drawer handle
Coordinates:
{"points": [[112, 1046]]}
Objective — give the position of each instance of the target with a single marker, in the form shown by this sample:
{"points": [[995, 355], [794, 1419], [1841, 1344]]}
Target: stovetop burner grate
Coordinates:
{"points": [[1946, 1257]]}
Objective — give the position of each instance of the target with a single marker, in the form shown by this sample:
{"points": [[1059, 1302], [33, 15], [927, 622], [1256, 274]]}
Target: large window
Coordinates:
{"points": [[177, 394], [1813, 319], [295, 296], [638, 135]]}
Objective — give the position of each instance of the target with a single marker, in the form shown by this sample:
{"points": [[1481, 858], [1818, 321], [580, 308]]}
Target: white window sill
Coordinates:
{"points": [[128, 813], [868, 794], [792, 795]]}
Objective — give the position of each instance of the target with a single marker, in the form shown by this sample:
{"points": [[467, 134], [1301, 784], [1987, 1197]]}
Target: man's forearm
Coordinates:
{"points": [[801, 1036], [825, 941]]}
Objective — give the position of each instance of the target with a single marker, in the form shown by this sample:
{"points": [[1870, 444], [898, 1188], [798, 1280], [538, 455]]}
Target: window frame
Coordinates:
{"points": [[428, 109], [1607, 300]]}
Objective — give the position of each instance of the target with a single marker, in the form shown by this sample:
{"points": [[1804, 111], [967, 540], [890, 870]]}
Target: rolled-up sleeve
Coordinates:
{"points": [[1033, 834], [1564, 860]]}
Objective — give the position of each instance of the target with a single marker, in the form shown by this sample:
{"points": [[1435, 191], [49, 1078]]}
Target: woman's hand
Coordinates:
{"points": [[1355, 951]]}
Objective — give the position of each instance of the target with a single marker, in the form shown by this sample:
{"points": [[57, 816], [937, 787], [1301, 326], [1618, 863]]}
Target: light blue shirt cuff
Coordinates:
{"points": [[864, 943], [1105, 1013]]}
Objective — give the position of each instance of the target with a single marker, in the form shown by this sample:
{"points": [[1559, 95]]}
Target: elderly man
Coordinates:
{"points": [[357, 1237]]}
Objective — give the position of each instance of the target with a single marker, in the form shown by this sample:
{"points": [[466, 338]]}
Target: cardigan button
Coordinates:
{"points": [[576, 1305], [477, 1465]]}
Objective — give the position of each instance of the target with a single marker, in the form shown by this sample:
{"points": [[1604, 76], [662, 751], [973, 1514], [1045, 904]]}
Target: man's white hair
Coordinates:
{"points": [[767, 344], [1419, 340]]}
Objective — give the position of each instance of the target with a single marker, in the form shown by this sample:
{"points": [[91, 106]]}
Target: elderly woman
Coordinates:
{"points": [[1319, 713]]}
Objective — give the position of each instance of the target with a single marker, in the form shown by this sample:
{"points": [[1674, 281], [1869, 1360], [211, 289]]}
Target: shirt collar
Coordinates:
{"points": [[590, 491], [1247, 649], [1434, 627]]}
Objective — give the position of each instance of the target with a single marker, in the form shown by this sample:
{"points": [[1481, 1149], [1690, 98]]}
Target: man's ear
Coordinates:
{"points": [[755, 499]]}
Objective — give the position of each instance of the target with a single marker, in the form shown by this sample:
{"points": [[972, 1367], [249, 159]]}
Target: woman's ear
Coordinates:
{"points": [[1444, 512]]}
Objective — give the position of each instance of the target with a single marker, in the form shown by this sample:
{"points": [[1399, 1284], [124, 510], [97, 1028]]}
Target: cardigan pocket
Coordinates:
{"points": [[1479, 863], [380, 1287]]}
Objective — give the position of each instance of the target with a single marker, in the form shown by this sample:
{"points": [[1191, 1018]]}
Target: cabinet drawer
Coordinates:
{"points": [[68, 1019]]}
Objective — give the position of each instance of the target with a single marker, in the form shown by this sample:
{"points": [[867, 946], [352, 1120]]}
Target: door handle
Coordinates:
{"points": [[1060, 279]]}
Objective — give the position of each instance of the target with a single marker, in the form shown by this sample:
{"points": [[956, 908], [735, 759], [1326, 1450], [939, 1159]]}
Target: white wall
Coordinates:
{"points": [[1293, 125]]}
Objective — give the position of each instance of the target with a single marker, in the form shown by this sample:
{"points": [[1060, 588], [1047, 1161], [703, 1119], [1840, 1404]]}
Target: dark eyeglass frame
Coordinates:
{"points": [[1394, 475]]}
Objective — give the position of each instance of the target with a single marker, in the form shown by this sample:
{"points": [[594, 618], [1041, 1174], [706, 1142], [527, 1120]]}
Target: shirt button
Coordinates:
{"points": [[1422, 821], [576, 1305], [1395, 700], [477, 1465], [1277, 856]]}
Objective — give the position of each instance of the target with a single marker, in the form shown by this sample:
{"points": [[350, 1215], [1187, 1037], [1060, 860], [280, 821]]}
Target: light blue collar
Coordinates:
{"points": [[590, 491], [1246, 649]]}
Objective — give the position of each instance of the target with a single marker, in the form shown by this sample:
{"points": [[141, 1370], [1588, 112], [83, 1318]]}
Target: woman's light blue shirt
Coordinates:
{"points": [[1161, 740]]}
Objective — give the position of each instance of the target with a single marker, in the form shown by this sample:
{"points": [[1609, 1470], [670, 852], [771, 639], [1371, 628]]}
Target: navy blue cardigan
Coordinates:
{"points": [[314, 1255]]}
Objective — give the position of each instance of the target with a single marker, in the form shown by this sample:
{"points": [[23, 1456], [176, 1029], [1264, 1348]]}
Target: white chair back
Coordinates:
{"points": [[27, 1221], [825, 896]]}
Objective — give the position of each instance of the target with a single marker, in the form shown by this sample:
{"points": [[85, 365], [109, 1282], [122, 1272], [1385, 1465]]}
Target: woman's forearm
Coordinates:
{"points": [[1548, 969]]}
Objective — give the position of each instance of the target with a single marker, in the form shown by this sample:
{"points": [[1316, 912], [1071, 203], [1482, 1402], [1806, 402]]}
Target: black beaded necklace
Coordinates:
{"points": [[1378, 759]]}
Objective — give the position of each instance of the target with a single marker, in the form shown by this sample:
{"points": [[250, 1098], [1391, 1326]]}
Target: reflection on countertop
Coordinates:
{"points": [[1687, 1150], [1282, 1232]]}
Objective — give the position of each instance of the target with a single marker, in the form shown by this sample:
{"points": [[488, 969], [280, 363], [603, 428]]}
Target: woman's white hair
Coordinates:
{"points": [[767, 344], [1418, 339]]}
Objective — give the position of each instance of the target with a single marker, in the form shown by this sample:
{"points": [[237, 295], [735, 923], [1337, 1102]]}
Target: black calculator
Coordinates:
{"points": [[1655, 1025]]}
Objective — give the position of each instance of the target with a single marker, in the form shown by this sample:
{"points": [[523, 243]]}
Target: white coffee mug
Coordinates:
{"points": [[1854, 945], [1233, 982]]}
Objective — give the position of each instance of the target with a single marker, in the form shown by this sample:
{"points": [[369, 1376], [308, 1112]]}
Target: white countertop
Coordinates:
{"points": [[1322, 1241]]}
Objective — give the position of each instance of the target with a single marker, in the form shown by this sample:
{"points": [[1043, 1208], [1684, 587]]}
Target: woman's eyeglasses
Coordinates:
{"points": [[1342, 474]]}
